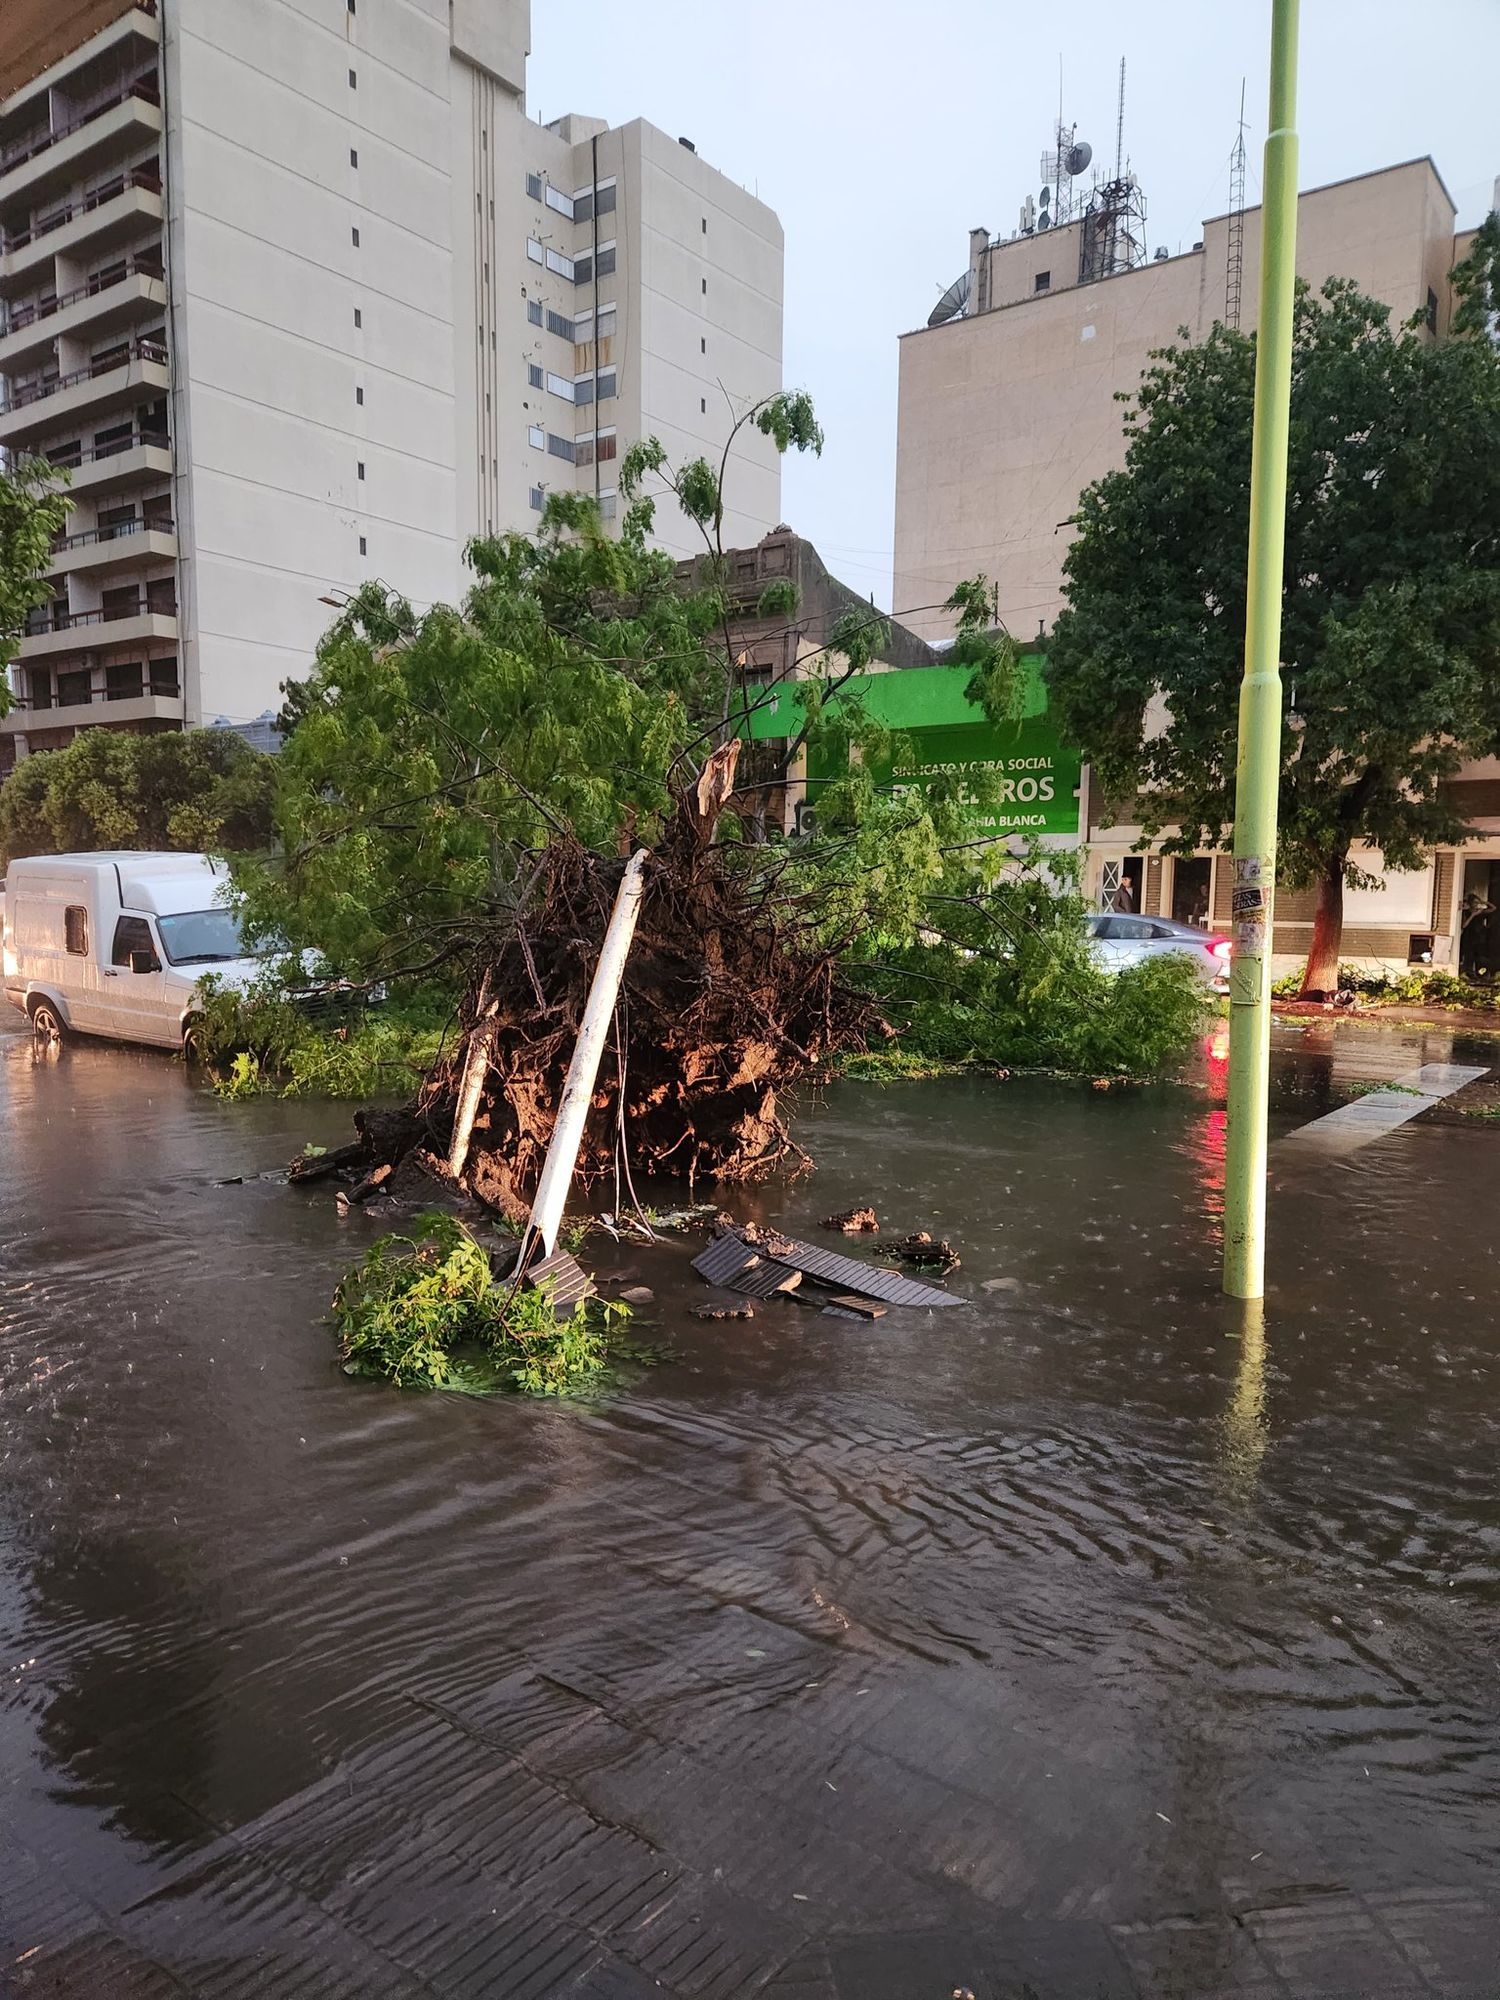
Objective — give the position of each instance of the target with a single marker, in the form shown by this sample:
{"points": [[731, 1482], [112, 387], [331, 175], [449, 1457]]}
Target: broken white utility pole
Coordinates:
{"points": [[578, 1090]]}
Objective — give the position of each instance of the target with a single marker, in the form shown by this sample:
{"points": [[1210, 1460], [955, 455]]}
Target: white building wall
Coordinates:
{"points": [[270, 365]]}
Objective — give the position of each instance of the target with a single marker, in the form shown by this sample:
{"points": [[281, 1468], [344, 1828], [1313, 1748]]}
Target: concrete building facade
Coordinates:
{"points": [[1005, 414], [301, 298], [1008, 410]]}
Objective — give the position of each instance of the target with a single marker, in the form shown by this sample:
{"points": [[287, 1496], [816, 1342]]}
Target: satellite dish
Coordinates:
{"points": [[1077, 157], [954, 304], [1044, 220], [1045, 196]]}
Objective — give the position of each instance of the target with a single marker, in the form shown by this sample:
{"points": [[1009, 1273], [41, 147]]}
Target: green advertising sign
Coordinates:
{"points": [[943, 735]]}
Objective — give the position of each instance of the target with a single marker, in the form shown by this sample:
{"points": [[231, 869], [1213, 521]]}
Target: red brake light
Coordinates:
{"points": [[1222, 948]]}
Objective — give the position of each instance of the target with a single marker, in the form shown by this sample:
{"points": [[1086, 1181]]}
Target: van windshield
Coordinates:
{"points": [[200, 937]]}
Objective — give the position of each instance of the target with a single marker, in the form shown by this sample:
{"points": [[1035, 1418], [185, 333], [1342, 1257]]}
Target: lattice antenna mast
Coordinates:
{"points": [[1234, 275], [1120, 126]]}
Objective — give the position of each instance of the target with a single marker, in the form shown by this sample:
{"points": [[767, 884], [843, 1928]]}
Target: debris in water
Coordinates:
{"points": [[924, 1248], [854, 1222], [637, 1295], [1001, 1285], [724, 1312], [851, 1306]]}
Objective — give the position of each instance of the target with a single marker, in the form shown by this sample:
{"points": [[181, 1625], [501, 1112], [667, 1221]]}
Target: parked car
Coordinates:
{"points": [[115, 944], [1120, 940]]}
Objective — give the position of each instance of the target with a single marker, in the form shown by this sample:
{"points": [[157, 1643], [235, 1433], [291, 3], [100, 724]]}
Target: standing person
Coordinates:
{"points": [[1125, 895]]}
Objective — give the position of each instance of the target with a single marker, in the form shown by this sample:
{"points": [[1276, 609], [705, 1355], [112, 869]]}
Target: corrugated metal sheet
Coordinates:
{"points": [[724, 1259], [564, 1279], [847, 1274], [764, 1279]]}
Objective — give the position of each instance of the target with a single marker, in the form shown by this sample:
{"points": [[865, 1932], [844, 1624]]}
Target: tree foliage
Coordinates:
{"points": [[1391, 616], [1476, 283], [33, 510], [206, 789]]}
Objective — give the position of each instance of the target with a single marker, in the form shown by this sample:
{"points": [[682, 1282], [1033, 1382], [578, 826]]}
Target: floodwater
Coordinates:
{"points": [[1096, 1639]]}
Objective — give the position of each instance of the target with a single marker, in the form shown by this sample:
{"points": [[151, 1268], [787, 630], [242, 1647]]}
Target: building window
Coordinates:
{"points": [[536, 437], [359, 318], [557, 324], [584, 388], [76, 930], [1431, 314], [555, 198], [354, 237], [354, 156], [351, 6], [703, 406], [1043, 282], [535, 251], [560, 447], [559, 385], [607, 505], [359, 395], [583, 268], [702, 343], [559, 264], [534, 186], [533, 375], [535, 499], [606, 260], [354, 79], [705, 288], [360, 469], [364, 547], [534, 311], [705, 225]]}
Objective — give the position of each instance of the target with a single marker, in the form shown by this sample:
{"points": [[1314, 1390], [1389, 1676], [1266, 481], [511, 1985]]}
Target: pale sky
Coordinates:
{"points": [[881, 133]]}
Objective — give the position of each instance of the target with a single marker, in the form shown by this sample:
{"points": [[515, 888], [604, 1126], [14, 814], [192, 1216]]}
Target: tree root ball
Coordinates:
{"points": [[724, 1003]]}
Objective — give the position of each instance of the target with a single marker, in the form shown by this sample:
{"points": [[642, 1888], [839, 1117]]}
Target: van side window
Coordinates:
{"points": [[76, 930], [131, 934]]}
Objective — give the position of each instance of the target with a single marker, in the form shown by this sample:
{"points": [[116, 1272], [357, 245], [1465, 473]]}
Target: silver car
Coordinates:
{"points": [[1120, 940]]}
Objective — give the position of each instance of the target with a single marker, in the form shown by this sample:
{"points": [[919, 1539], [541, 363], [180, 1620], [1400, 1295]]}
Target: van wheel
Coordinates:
{"points": [[192, 1042], [47, 1025]]}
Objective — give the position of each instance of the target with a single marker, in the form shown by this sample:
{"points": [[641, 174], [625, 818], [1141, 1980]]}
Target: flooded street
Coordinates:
{"points": [[1098, 1639]]}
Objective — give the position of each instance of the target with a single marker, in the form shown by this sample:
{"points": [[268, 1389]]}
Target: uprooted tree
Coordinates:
{"points": [[458, 793], [1391, 617]]}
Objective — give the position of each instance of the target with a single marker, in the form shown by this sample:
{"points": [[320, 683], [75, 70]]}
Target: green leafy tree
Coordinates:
{"points": [[176, 791], [1391, 617], [1476, 283], [33, 510]]}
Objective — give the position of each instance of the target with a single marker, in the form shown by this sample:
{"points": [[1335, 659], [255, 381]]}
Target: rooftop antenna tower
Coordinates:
{"points": [[1236, 270], [1113, 237]]}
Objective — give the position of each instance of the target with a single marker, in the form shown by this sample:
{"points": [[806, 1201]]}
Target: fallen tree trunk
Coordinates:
{"points": [[717, 1015]]}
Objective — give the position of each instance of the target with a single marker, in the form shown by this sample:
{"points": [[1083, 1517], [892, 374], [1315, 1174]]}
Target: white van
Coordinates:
{"points": [[115, 944]]}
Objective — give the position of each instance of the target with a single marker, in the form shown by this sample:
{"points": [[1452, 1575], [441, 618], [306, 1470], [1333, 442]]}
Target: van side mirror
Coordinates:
{"points": [[144, 961]]}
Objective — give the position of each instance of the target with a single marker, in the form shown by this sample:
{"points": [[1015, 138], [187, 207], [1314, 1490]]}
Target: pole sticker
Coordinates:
{"points": [[1250, 904]]}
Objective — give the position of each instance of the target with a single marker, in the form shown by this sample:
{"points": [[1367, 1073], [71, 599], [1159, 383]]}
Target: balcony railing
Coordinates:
{"points": [[37, 141], [102, 281], [67, 457], [59, 218], [38, 623], [118, 531], [37, 699], [103, 364]]}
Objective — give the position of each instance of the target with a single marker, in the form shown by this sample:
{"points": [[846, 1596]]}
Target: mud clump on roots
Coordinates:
{"points": [[723, 1005]]}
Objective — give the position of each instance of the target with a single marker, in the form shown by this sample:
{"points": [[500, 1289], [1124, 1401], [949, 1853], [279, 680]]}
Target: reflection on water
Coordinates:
{"points": [[1098, 1595]]}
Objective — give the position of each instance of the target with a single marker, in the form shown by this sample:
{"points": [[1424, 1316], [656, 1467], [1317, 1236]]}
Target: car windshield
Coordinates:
{"points": [[200, 937]]}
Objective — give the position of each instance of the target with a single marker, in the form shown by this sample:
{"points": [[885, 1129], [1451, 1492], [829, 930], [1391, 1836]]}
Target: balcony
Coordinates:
{"points": [[50, 633], [100, 711], [122, 45], [119, 465], [126, 293], [123, 118], [135, 373], [122, 546], [107, 215]]}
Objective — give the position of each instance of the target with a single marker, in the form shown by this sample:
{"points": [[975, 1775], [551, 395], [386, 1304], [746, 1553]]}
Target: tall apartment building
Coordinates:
{"points": [[301, 298], [1008, 409]]}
